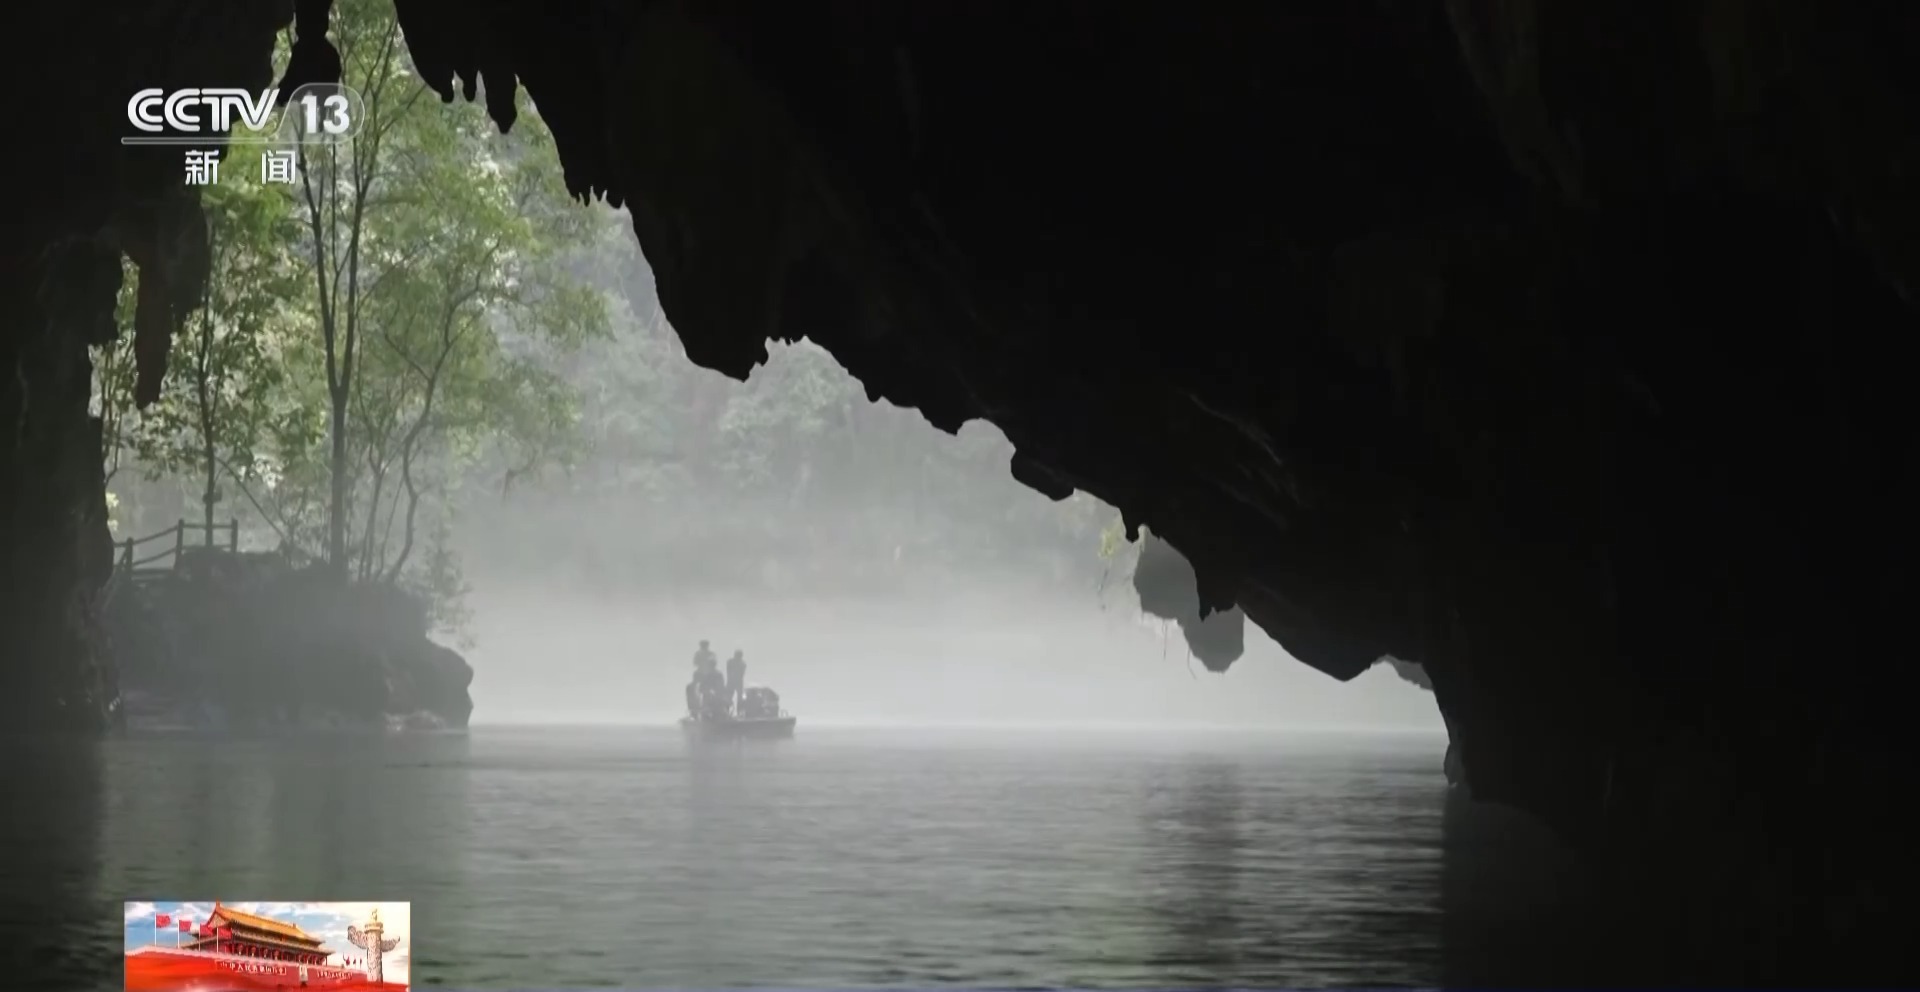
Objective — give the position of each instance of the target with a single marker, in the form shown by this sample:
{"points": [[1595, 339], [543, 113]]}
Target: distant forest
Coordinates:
{"points": [[792, 480]]}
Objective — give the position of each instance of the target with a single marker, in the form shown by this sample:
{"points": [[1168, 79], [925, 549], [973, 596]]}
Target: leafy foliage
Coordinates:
{"points": [[225, 368], [360, 351]]}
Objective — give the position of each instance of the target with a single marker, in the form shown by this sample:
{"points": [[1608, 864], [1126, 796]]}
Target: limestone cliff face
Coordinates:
{"points": [[53, 523], [1561, 348]]}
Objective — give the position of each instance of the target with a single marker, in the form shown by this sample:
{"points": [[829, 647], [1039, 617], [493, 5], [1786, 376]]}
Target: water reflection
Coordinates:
{"points": [[563, 859], [49, 873], [1196, 828], [347, 818], [1326, 875], [719, 830], [194, 819]]}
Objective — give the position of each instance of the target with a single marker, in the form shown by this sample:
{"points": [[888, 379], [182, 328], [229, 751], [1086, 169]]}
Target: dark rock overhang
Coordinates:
{"points": [[1555, 347]]}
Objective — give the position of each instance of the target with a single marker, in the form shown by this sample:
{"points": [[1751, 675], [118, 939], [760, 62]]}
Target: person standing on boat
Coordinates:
{"points": [[709, 686], [736, 679], [706, 671]]}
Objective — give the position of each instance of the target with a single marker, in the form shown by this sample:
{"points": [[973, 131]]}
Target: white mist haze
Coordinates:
{"points": [[546, 657], [874, 605]]}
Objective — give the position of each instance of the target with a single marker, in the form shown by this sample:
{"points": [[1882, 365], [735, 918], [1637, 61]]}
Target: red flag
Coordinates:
{"points": [[186, 924], [205, 930], [225, 934], [163, 919]]}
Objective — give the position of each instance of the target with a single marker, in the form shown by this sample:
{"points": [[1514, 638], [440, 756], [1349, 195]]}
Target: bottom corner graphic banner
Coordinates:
{"points": [[187, 944]]}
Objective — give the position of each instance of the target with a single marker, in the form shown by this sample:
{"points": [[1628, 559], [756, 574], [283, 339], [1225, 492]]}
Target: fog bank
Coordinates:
{"points": [[1012, 656]]}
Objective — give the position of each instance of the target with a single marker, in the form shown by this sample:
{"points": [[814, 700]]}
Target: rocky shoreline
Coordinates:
{"points": [[143, 714], [249, 643]]}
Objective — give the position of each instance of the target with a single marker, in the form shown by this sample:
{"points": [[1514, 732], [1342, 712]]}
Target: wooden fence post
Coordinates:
{"points": [[179, 540], [233, 535], [126, 555]]}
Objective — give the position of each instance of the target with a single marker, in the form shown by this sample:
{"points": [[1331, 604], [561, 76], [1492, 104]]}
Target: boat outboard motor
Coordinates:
{"points": [[760, 703]]}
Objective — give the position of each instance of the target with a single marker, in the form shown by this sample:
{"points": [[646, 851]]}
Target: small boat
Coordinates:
{"points": [[744, 729], [755, 716]]}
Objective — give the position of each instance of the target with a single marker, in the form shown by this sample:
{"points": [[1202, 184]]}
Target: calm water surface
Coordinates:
{"points": [[600, 857]]}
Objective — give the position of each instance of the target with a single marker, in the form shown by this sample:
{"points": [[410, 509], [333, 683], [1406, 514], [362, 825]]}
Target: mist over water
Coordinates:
{"points": [[558, 656]]}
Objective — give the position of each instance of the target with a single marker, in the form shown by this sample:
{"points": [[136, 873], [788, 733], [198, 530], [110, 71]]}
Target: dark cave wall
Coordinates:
{"points": [[1169, 589], [53, 514], [89, 202]]}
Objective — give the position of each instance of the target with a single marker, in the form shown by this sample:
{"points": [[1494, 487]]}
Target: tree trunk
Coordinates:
{"points": [[203, 392], [207, 500], [337, 496]]}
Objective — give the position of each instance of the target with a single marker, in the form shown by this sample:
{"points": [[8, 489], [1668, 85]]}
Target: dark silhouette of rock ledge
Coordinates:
{"points": [[250, 642], [1169, 589]]}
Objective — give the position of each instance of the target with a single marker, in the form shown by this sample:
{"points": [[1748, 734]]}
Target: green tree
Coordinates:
{"points": [[379, 341], [436, 247], [217, 398], [483, 224], [343, 188]]}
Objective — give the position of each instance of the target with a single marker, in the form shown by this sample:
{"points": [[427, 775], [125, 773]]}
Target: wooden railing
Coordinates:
{"points": [[130, 564]]}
